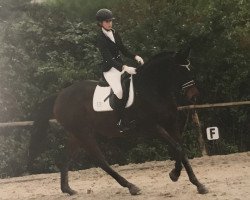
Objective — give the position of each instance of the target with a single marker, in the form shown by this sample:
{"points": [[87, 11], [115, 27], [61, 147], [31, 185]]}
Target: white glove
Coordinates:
{"points": [[130, 70], [139, 60]]}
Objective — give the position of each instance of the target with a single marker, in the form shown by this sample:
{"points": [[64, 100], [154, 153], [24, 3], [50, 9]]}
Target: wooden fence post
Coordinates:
{"points": [[201, 142]]}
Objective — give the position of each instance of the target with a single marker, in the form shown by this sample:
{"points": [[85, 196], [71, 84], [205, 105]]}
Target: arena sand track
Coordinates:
{"points": [[226, 177]]}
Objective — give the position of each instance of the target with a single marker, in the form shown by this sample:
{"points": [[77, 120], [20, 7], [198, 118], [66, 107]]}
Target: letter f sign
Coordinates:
{"points": [[212, 133]]}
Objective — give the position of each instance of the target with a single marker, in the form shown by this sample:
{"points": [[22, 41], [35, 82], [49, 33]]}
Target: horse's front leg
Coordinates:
{"points": [[176, 172], [200, 187], [179, 151]]}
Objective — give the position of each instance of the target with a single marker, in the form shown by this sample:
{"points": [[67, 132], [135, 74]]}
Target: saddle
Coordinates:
{"points": [[104, 98]]}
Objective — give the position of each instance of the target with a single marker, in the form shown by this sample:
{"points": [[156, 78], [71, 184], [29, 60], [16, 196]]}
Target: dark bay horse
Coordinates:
{"points": [[154, 110]]}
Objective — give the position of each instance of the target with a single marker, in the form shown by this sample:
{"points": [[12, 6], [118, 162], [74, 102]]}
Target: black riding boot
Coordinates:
{"points": [[121, 123]]}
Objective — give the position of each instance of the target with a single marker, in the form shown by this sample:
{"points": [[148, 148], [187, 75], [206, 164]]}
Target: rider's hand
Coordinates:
{"points": [[130, 70], [139, 60]]}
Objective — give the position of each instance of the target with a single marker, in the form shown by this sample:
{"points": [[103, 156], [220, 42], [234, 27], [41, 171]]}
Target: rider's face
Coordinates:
{"points": [[107, 24]]}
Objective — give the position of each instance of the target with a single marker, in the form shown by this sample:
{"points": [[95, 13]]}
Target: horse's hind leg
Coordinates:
{"points": [[71, 152], [92, 148]]}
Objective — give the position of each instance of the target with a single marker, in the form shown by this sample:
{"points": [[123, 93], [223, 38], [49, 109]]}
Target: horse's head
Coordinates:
{"points": [[185, 80], [165, 72]]}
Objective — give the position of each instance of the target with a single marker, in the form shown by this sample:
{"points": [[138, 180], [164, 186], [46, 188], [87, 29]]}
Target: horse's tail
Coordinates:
{"points": [[39, 132]]}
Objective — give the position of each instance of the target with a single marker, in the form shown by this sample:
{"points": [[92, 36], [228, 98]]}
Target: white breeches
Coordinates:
{"points": [[113, 77]]}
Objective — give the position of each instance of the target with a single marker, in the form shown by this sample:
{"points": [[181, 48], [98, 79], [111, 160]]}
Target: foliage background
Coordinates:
{"points": [[45, 47]]}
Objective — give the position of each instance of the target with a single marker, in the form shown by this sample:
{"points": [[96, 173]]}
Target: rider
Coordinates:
{"points": [[110, 45]]}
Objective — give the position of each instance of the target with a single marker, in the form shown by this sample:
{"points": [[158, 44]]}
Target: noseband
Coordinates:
{"points": [[188, 84]]}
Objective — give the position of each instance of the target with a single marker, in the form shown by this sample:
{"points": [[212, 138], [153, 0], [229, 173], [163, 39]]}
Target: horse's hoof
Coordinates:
{"points": [[72, 192], [173, 176], [134, 190], [202, 189], [69, 191]]}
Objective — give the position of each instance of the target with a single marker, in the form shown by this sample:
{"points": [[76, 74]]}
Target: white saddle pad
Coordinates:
{"points": [[101, 93]]}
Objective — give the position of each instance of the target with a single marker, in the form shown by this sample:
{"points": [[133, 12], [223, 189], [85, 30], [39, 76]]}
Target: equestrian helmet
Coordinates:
{"points": [[104, 14]]}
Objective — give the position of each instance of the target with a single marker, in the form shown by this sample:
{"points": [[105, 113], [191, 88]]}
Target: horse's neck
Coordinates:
{"points": [[154, 77], [153, 86]]}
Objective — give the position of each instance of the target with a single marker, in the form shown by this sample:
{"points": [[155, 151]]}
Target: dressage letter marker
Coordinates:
{"points": [[212, 133]]}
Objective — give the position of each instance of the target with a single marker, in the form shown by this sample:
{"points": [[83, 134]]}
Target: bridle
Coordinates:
{"points": [[184, 86], [187, 66], [189, 83]]}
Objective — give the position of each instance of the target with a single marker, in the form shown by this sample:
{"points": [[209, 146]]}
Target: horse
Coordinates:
{"points": [[154, 111]]}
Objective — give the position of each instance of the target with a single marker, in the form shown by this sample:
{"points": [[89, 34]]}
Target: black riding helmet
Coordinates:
{"points": [[103, 15]]}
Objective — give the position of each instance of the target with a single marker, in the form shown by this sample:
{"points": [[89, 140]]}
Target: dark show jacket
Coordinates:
{"points": [[110, 51]]}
